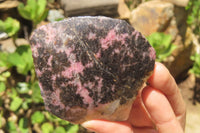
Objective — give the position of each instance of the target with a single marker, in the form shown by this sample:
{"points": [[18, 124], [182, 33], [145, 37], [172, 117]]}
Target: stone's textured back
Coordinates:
{"points": [[90, 67]]}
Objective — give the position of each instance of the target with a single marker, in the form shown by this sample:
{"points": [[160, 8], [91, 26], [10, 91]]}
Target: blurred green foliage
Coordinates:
{"points": [[10, 26], [34, 10], [162, 44], [21, 59], [37, 117], [196, 66], [193, 19], [21, 105], [24, 107], [2, 87]]}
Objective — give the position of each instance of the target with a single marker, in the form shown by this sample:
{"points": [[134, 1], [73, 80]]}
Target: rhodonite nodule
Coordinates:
{"points": [[90, 67]]}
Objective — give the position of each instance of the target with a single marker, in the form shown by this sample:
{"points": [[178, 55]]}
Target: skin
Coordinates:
{"points": [[158, 108]]}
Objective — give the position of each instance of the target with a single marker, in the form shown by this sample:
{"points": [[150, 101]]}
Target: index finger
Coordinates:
{"points": [[162, 80]]}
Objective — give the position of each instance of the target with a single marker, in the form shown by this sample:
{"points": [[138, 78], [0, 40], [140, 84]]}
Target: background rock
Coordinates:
{"points": [[8, 45], [181, 20], [89, 7], [3, 35], [123, 10], [154, 16], [8, 9], [133, 3], [160, 16], [55, 15], [182, 3], [181, 62], [8, 4]]}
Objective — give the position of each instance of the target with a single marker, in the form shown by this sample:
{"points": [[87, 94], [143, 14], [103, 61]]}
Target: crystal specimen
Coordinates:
{"points": [[90, 67]]}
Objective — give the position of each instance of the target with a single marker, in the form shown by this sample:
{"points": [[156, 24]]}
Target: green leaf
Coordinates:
{"points": [[10, 26], [23, 87], [162, 45], [2, 27], [41, 7], [16, 103], [34, 10], [15, 59], [59, 19], [63, 122], [167, 52], [22, 49], [37, 117], [2, 119], [3, 57], [59, 130], [36, 96], [166, 40], [13, 93], [52, 117], [23, 125], [26, 55], [11, 127], [47, 128], [6, 74], [25, 104], [2, 87], [196, 66], [32, 6], [42, 16], [22, 59], [23, 12], [190, 19], [73, 129]]}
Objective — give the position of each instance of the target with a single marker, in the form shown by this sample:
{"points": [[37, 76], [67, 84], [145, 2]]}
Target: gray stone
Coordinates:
{"points": [[3, 35], [55, 15], [89, 7]]}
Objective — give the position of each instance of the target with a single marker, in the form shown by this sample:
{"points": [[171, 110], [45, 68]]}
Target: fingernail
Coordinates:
{"points": [[88, 125]]}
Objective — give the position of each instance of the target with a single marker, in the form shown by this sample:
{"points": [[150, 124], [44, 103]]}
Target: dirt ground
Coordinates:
{"points": [[193, 110]]}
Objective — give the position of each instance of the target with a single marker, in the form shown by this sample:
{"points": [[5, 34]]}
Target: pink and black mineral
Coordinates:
{"points": [[90, 67]]}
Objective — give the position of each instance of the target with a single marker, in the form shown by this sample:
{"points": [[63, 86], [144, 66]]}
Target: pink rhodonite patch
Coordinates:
{"points": [[90, 67]]}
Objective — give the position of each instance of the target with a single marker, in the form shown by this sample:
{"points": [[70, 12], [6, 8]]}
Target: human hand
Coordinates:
{"points": [[158, 108]]}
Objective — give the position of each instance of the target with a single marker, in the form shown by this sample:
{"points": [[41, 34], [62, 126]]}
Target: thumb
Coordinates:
{"points": [[160, 111], [103, 126]]}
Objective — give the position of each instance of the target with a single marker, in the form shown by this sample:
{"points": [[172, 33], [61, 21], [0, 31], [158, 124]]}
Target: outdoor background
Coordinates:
{"points": [[171, 26]]}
